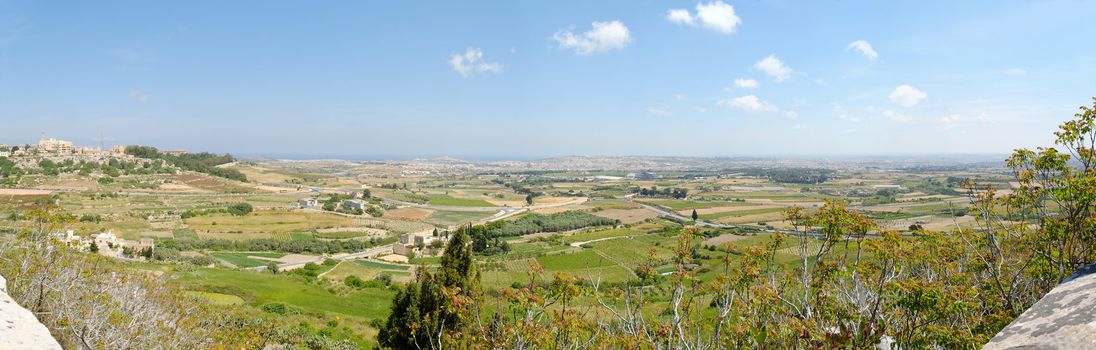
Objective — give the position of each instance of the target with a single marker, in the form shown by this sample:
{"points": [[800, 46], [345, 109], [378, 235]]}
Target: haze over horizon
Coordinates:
{"points": [[532, 80]]}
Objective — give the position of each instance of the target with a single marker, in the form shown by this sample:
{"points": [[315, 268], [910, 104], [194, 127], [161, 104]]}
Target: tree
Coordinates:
{"points": [[93, 247], [272, 267], [434, 311], [240, 209], [529, 199], [695, 216]]}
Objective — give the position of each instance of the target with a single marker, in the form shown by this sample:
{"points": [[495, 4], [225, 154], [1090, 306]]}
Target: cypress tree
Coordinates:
{"points": [[441, 303]]}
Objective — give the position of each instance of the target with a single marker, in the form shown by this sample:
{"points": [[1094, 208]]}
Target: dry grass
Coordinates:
{"points": [[627, 216], [409, 213]]}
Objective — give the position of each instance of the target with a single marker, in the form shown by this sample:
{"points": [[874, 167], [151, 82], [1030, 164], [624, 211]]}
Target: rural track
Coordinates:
{"points": [[579, 244]]}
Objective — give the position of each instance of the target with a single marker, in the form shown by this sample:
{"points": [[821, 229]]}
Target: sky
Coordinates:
{"points": [[550, 78]]}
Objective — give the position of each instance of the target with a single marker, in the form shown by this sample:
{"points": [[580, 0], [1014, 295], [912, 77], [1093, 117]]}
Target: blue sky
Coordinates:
{"points": [[534, 79]]}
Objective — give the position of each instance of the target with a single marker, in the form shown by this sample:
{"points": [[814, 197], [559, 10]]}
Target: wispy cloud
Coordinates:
{"points": [[950, 122], [139, 96], [1016, 72], [716, 15], [749, 103], [774, 67], [746, 83], [864, 48], [907, 95], [471, 61], [663, 111], [897, 117], [604, 37]]}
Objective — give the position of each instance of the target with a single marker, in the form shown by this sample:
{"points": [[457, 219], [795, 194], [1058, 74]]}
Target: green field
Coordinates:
{"points": [[574, 261], [261, 288], [442, 200], [382, 265], [243, 259], [267, 222], [399, 273], [737, 213], [592, 235], [447, 217]]}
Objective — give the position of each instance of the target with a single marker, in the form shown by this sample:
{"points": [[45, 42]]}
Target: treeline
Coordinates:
{"points": [[274, 245], [654, 191], [793, 175], [533, 223], [486, 239], [238, 209], [203, 162]]}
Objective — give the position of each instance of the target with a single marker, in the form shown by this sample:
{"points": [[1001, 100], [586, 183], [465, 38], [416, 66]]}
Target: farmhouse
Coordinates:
{"points": [[420, 243], [353, 204], [307, 203]]}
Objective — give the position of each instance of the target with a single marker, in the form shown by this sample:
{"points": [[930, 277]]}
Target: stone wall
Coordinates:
{"points": [[1065, 318], [19, 329]]}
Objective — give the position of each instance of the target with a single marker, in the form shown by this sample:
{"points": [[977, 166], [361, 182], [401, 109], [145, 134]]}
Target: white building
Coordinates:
{"points": [[354, 204], [307, 203], [55, 146], [418, 243]]}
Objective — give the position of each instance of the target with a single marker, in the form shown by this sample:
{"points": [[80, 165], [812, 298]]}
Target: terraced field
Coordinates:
{"points": [[265, 222], [446, 201]]}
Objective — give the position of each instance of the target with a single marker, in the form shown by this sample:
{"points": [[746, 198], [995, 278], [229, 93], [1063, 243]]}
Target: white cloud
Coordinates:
{"points": [[604, 37], [749, 103], [907, 95], [471, 61], [791, 114], [715, 15], [865, 49], [842, 113], [983, 118], [660, 111], [746, 83], [680, 97], [139, 96], [681, 16], [1016, 72], [897, 117], [950, 122], [799, 126], [702, 109], [774, 67]]}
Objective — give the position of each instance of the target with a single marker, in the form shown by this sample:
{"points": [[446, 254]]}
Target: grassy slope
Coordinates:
{"points": [[262, 288]]}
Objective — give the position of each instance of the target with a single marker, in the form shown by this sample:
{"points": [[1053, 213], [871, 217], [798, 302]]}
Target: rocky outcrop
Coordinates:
{"points": [[19, 329], [1064, 319]]}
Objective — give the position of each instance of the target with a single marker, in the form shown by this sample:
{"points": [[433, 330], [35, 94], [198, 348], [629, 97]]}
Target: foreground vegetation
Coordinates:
{"points": [[796, 271], [847, 289]]}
